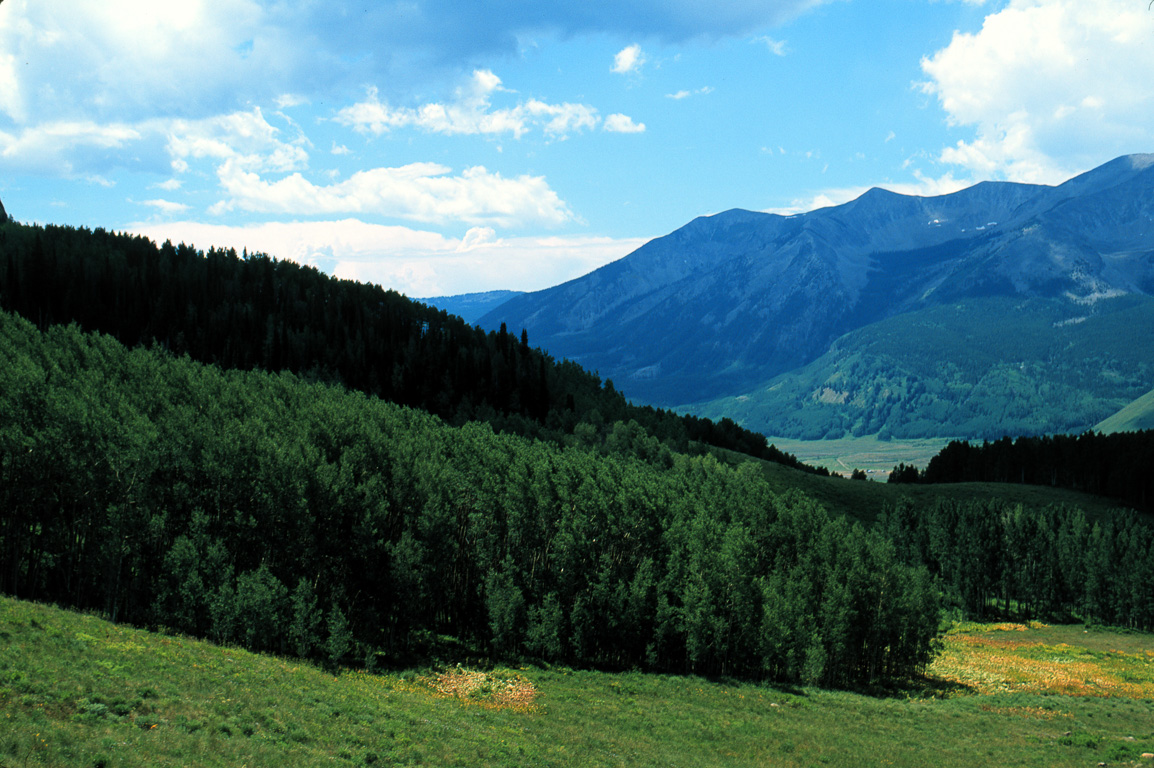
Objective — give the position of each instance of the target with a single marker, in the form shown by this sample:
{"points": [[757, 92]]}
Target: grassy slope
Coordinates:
{"points": [[79, 691], [1136, 416], [866, 500]]}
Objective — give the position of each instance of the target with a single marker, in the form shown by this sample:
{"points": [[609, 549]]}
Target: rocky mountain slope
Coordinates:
{"points": [[728, 302]]}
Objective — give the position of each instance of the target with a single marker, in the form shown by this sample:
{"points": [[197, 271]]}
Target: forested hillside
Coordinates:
{"points": [[1115, 465], [995, 559], [957, 370], [298, 517], [253, 311]]}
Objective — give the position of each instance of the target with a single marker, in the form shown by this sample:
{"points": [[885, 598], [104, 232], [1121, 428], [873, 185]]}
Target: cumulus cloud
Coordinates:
{"points": [[85, 148], [246, 139], [628, 59], [115, 59], [619, 123], [165, 206], [414, 262], [419, 191], [470, 112], [60, 148], [1050, 88]]}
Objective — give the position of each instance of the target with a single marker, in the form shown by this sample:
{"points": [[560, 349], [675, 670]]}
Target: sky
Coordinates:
{"points": [[441, 147]]}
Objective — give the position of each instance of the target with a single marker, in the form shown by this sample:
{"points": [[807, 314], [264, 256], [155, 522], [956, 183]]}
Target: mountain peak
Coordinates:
{"points": [[1141, 162], [731, 300]]}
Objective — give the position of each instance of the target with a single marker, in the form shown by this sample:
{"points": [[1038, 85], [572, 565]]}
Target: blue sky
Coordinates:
{"points": [[440, 147]]}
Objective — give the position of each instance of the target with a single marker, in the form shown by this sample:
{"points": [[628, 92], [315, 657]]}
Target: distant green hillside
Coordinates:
{"points": [[1136, 416], [955, 371]]}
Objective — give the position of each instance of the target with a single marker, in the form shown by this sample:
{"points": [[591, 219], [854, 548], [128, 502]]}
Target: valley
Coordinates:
{"points": [[411, 539], [876, 457]]}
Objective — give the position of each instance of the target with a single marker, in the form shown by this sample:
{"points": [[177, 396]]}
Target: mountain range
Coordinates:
{"points": [[999, 309], [470, 307]]}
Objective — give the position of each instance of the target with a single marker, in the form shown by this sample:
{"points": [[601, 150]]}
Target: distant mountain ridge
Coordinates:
{"points": [[728, 302], [470, 307]]}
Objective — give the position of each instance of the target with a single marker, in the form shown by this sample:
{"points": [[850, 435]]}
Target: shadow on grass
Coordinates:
{"points": [[925, 687]]}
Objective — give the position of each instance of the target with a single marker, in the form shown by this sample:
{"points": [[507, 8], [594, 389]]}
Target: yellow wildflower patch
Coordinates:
{"points": [[987, 661], [493, 690]]}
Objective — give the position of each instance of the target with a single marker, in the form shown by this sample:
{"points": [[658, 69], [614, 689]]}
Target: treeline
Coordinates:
{"points": [[997, 559], [255, 312], [1119, 466], [294, 516]]}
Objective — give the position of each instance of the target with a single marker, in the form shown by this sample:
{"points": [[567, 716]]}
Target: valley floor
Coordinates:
{"points": [[78, 691], [875, 457]]}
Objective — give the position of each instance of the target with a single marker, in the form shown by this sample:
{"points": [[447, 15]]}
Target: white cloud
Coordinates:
{"points": [[166, 206], [471, 112], [1050, 87], [419, 191], [628, 59], [683, 94], [245, 139], [477, 237], [414, 262], [85, 148], [115, 59], [58, 147], [619, 123], [289, 100]]}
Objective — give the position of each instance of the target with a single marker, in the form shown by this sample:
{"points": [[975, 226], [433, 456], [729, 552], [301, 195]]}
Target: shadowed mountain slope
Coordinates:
{"points": [[730, 301]]}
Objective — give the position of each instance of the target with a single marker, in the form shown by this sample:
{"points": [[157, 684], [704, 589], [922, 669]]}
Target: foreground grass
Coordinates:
{"points": [[79, 691]]}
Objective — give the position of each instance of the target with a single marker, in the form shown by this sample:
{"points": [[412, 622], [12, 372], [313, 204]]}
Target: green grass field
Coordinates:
{"points": [[78, 691], [1136, 416], [875, 457]]}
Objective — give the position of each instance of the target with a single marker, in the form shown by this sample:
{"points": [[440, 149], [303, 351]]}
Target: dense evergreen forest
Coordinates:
{"points": [[293, 516], [255, 312], [1120, 465], [996, 559]]}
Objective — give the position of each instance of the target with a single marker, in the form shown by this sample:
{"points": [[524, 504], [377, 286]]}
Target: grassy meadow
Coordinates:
{"points": [[876, 457], [76, 690]]}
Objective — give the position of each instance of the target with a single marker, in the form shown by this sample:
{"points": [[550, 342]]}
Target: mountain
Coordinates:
{"points": [[725, 304], [470, 307]]}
